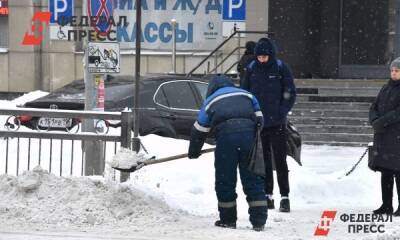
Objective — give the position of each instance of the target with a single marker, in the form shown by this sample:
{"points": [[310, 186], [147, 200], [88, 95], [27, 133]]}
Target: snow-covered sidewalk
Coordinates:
{"points": [[176, 200]]}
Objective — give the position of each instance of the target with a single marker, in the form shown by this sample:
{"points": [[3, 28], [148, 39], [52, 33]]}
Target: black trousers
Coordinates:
{"points": [[273, 141], [387, 182]]}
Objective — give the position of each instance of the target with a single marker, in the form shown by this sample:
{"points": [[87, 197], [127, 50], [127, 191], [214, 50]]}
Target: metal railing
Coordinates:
{"points": [[217, 49], [225, 59], [21, 147]]}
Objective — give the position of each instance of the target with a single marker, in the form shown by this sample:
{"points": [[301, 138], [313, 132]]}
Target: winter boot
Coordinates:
{"points": [[387, 182], [222, 224], [384, 210], [284, 205], [270, 202], [258, 228]]}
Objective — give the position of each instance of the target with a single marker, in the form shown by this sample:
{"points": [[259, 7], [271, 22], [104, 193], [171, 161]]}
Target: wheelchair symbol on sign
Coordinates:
{"points": [[60, 34]]}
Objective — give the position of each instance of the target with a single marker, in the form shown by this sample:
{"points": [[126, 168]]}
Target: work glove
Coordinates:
{"points": [[193, 155], [260, 122]]}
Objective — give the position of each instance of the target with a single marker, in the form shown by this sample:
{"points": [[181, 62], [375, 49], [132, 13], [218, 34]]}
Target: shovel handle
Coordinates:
{"points": [[171, 158]]}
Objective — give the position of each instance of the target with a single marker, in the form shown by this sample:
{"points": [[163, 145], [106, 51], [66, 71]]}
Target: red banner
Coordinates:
{"points": [[3, 7]]}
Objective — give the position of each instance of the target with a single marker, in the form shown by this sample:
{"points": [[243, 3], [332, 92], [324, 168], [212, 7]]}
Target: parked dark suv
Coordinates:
{"points": [[169, 106]]}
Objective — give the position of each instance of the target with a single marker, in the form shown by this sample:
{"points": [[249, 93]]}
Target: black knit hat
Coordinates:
{"points": [[265, 47]]}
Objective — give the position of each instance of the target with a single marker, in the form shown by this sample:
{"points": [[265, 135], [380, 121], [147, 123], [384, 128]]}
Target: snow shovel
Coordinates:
{"points": [[140, 162]]}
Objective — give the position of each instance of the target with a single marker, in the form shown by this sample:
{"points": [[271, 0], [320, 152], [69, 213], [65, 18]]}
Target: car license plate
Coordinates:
{"points": [[55, 122]]}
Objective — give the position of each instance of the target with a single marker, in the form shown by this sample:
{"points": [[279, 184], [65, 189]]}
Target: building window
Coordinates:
{"points": [[3, 31]]}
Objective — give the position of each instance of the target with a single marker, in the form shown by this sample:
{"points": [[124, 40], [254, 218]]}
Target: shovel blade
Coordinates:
{"points": [[130, 170]]}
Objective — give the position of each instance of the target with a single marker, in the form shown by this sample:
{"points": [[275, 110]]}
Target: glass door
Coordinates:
{"points": [[369, 38]]}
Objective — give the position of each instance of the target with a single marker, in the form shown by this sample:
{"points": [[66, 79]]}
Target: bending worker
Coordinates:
{"points": [[232, 114]]}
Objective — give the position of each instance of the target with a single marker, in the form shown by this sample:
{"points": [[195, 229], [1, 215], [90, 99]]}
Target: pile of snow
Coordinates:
{"points": [[42, 198], [23, 99], [176, 200], [28, 97]]}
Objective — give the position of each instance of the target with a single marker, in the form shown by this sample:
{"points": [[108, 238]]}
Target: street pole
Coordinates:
{"points": [[173, 22], [136, 141], [93, 154]]}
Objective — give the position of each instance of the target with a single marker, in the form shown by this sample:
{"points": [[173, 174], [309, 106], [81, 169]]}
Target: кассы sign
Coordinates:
{"points": [[198, 24]]}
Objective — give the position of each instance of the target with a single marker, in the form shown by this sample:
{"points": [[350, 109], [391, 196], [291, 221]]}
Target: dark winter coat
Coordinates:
{"points": [[226, 109], [272, 84], [246, 59], [384, 116]]}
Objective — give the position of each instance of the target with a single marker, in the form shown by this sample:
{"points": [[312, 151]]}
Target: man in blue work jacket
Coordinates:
{"points": [[232, 114]]}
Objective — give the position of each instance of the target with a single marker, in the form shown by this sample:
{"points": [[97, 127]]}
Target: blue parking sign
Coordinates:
{"points": [[60, 8], [234, 10]]}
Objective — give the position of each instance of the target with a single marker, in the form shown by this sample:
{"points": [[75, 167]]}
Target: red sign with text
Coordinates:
{"points": [[3, 7]]}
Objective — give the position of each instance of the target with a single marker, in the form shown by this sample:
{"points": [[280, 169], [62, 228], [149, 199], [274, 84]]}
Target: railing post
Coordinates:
{"points": [[216, 62], [126, 136], [238, 58], [211, 54]]}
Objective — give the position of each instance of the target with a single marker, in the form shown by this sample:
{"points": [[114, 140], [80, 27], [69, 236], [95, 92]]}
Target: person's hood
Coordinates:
{"points": [[250, 45], [265, 46], [217, 82]]}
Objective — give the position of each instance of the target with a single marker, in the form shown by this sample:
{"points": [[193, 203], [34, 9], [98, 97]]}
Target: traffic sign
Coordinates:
{"points": [[103, 57], [58, 32], [60, 8], [101, 9], [234, 10]]}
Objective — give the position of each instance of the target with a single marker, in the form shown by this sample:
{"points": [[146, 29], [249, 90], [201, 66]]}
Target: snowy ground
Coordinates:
{"points": [[176, 200]]}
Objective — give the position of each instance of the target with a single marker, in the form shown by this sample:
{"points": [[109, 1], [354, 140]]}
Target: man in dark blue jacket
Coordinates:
{"points": [[271, 81], [232, 114]]}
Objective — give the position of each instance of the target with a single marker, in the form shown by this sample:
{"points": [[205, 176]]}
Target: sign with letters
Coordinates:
{"points": [[3, 7], [234, 14], [199, 24], [60, 8], [234, 10]]}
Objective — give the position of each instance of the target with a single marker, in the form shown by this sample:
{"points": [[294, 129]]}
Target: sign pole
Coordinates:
{"points": [[136, 140], [173, 23], [94, 162]]}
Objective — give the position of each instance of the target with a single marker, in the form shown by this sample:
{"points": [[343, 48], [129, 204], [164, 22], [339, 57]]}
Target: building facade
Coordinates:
{"points": [[318, 38], [53, 64], [337, 38]]}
